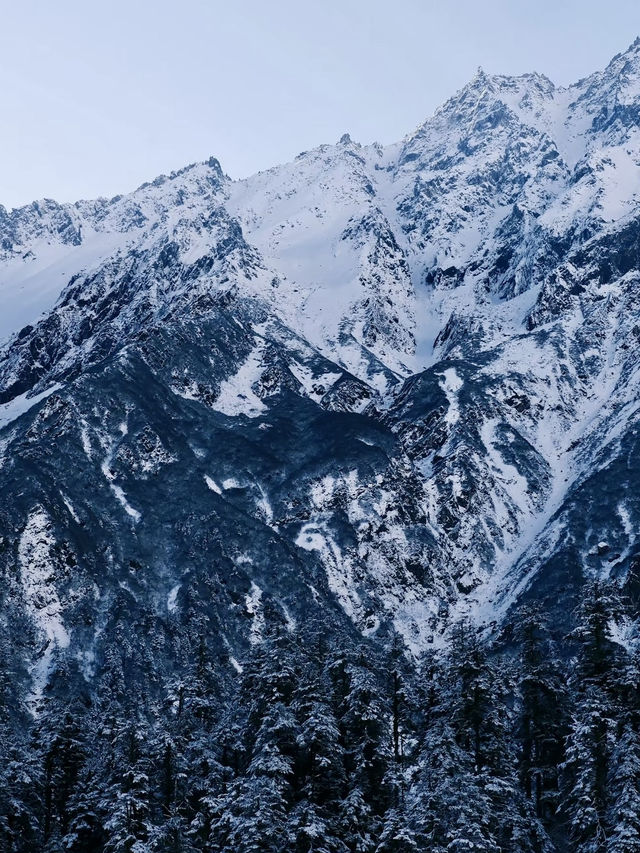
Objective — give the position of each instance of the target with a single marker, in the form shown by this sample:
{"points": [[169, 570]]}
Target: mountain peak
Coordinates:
{"points": [[617, 84], [621, 60]]}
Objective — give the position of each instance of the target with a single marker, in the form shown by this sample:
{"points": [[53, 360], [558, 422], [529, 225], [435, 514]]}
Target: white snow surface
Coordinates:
{"points": [[172, 597], [38, 579], [451, 385], [253, 603], [19, 405], [236, 395], [211, 484]]}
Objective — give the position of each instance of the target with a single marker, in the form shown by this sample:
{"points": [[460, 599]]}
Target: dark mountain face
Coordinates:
{"points": [[388, 392]]}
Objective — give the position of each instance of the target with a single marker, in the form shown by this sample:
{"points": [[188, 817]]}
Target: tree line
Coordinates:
{"points": [[330, 743]]}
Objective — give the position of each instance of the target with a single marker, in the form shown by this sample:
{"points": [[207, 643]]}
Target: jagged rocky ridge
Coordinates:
{"points": [[399, 385]]}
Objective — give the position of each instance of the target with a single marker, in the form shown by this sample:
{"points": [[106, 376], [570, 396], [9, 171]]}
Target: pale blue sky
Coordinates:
{"points": [[96, 97]]}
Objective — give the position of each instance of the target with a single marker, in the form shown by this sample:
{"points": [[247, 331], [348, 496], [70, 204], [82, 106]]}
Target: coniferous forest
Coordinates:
{"points": [[329, 743]]}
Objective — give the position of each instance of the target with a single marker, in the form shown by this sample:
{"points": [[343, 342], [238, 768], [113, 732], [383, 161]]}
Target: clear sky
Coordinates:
{"points": [[97, 96]]}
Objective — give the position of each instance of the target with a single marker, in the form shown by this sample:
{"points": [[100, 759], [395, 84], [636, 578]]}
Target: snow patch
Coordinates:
{"points": [[30, 286], [212, 485], [118, 491], [289, 620], [4, 444], [188, 391], [624, 633], [37, 575], [11, 411], [69, 506], [253, 603], [507, 476], [315, 387], [451, 386], [264, 506], [236, 395], [231, 483], [314, 536], [84, 437], [234, 663], [172, 598]]}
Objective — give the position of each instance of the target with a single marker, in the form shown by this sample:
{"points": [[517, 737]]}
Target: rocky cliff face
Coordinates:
{"points": [[397, 384]]}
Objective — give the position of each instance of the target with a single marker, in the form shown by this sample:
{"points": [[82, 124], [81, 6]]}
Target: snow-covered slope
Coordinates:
{"points": [[401, 381]]}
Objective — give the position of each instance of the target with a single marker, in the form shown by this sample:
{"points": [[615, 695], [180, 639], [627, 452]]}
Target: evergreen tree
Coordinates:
{"points": [[586, 770], [451, 809], [88, 809], [20, 787], [358, 827], [365, 723], [623, 813], [254, 814], [60, 739], [319, 772], [397, 836], [541, 717], [597, 690], [129, 826]]}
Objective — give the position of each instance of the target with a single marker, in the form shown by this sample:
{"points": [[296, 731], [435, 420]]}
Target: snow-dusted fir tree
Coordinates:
{"points": [[541, 711], [596, 686], [129, 821], [254, 817], [623, 811]]}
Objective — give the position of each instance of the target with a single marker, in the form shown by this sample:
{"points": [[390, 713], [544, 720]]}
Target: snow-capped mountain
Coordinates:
{"points": [[399, 384]]}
